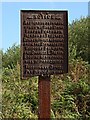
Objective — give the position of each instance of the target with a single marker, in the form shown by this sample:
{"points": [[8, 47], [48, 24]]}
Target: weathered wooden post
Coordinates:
{"points": [[44, 50], [44, 97]]}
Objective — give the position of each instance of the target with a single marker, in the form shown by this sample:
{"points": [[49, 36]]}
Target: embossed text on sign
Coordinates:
{"points": [[44, 43]]}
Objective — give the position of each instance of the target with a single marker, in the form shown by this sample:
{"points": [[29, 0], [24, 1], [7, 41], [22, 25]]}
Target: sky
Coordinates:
{"points": [[11, 16]]}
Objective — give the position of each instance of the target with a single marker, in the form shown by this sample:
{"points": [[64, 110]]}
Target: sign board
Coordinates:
{"points": [[44, 42]]}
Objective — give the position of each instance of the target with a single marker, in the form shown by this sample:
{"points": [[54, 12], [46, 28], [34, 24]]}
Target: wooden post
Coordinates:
{"points": [[44, 98]]}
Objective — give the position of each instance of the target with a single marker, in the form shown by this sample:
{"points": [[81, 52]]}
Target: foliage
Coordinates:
{"points": [[78, 39], [19, 97], [70, 93], [11, 56], [70, 97]]}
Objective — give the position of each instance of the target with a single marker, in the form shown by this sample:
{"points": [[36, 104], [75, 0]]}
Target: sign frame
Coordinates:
{"points": [[66, 41]]}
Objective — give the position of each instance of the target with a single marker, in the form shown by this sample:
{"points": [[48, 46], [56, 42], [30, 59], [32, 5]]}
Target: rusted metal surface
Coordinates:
{"points": [[44, 98], [44, 43]]}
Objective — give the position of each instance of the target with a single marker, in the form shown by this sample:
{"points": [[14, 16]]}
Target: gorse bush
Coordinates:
{"points": [[69, 98], [79, 39], [11, 56], [19, 97], [70, 93]]}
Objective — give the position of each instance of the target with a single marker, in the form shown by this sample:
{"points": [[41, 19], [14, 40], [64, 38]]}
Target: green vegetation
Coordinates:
{"points": [[70, 93]]}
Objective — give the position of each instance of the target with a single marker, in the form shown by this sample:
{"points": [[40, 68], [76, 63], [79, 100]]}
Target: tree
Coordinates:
{"points": [[11, 56], [78, 39]]}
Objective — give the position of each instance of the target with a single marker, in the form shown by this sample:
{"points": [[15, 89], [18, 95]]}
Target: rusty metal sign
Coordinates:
{"points": [[44, 43]]}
